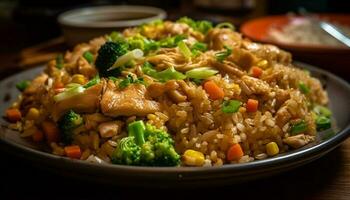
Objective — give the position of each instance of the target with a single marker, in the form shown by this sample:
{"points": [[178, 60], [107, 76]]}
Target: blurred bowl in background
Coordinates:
{"points": [[83, 24], [332, 58]]}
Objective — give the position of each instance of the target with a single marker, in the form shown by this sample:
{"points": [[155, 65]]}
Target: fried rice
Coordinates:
{"points": [[276, 101]]}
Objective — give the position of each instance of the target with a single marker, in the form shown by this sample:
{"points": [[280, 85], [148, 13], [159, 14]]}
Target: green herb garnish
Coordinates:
{"points": [[230, 106]]}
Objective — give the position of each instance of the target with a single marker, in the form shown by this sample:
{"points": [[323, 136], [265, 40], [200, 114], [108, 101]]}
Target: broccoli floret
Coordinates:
{"points": [[127, 152], [146, 146], [201, 26], [107, 55], [67, 123], [140, 42], [163, 148]]}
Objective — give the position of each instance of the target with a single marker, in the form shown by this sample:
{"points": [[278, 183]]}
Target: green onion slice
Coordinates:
{"points": [[322, 110], [185, 51], [59, 61], [323, 123], [169, 74], [304, 88], [21, 86], [88, 56], [201, 73], [93, 81], [222, 55], [299, 127], [230, 106], [131, 55], [69, 93]]}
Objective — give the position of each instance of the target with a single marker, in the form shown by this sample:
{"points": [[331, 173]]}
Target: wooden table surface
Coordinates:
{"points": [[325, 178]]}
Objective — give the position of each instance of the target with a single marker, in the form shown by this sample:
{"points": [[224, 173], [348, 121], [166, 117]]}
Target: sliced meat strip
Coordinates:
{"points": [[86, 102], [130, 101]]}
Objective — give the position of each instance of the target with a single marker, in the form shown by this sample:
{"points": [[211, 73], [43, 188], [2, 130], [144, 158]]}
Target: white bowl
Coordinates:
{"points": [[83, 24]]}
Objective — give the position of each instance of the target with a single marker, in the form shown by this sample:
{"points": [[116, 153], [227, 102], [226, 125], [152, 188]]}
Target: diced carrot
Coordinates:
{"points": [[213, 90], [58, 85], [235, 152], [252, 105], [13, 114], [59, 90], [51, 131], [38, 136], [256, 71], [73, 151]]}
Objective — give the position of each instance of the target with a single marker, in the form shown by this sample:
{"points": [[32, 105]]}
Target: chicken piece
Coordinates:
{"points": [[298, 141], [109, 129], [133, 100], [170, 88], [218, 38], [92, 120], [37, 83], [282, 116], [251, 85], [281, 97], [85, 68], [243, 58], [230, 68], [86, 102], [177, 96], [268, 52]]}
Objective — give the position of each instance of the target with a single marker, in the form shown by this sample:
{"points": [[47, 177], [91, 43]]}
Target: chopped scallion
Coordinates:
{"points": [[222, 55], [164, 75], [113, 78], [322, 110], [88, 56], [169, 74], [92, 82], [230, 106], [149, 70], [131, 55], [304, 88], [130, 80], [201, 73], [59, 61], [298, 127], [323, 123], [69, 93], [185, 51], [199, 46], [21, 86]]}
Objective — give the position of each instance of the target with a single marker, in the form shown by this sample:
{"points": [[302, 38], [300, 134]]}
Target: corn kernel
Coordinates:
{"points": [[263, 64], [78, 78], [33, 114], [272, 149], [193, 158]]}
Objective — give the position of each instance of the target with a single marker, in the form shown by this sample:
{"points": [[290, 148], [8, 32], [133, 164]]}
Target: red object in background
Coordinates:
{"points": [[330, 58]]}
